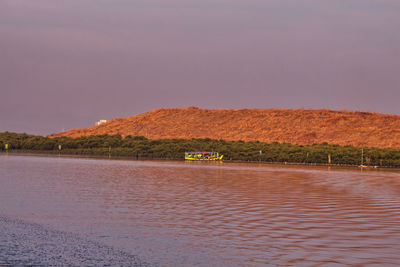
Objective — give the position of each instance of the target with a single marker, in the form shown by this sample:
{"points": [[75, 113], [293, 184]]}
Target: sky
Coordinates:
{"points": [[69, 63]]}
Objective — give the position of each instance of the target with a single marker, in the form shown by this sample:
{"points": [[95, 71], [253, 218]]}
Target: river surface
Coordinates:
{"points": [[195, 214]]}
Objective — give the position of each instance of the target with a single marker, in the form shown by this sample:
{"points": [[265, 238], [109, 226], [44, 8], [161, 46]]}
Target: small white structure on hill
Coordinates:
{"points": [[100, 122]]}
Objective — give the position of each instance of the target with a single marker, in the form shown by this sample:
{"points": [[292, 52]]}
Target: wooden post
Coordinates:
{"points": [[329, 159], [362, 156]]}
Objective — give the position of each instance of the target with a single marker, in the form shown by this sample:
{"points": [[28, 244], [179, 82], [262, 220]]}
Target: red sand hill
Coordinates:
{"points": [[266, 125]]}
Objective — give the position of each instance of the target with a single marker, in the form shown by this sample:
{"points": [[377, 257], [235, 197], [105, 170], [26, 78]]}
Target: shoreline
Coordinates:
{"points": [[141, 148], [55, 154], [31, 244]]}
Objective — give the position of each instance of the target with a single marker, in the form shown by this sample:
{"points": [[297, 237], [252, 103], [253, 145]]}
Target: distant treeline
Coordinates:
{"points": [[142, 148]]}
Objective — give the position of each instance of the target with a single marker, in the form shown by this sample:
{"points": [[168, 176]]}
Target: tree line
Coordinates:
{"points": [[142, 148]]}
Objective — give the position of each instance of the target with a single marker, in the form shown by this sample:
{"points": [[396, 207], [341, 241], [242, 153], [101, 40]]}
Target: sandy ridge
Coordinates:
{"points": [[297, 126]]}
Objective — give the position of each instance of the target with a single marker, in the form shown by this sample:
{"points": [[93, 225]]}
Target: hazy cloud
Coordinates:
{"points": [[67, 64]]}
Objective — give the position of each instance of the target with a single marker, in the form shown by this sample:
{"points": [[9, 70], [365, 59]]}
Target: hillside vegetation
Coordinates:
{"points": [[303, 127], [139, 147]]}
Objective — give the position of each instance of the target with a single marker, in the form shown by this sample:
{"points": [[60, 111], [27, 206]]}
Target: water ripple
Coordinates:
{"points": [[180, 214]]}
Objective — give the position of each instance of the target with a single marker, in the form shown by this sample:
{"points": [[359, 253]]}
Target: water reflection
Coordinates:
{"points": [[173, 213]]}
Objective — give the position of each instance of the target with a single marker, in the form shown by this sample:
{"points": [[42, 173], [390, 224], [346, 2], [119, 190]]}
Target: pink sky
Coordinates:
{"points": [[68, 63]]}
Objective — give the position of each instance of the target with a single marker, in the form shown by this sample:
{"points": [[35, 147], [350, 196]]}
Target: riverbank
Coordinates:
{"points": [[139, 147], [30, 244], [254, 163]]}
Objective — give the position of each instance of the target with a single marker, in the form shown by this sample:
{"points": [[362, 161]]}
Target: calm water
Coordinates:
{"points": [[199, 214]]}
